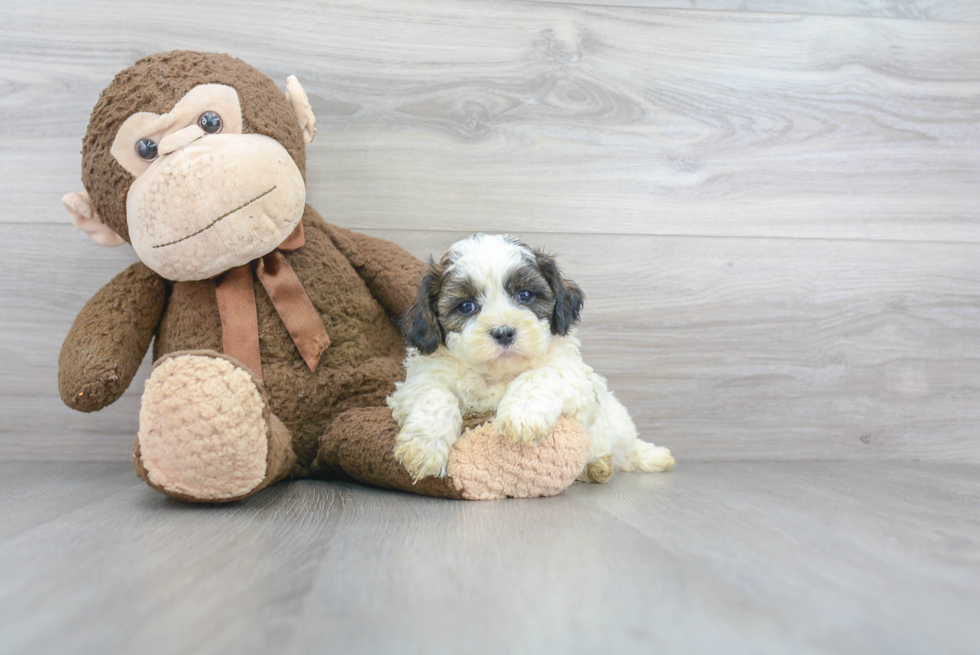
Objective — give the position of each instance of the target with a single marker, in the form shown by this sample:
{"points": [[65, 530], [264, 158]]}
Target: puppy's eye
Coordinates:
{"points": [[210, 122], [524, 296], [466, 307], [146, 149]]}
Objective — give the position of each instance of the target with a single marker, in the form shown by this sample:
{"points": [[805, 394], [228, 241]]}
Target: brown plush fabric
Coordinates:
{"points": [[342, 402], [359, 368], [482, 465], [155, 84], [345, 449], [383, 269], [109, 337]]}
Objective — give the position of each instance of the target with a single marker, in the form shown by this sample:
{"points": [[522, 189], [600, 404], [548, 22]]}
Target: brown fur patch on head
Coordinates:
{"points": [[529, 278], [456, 289], [155, 84]]}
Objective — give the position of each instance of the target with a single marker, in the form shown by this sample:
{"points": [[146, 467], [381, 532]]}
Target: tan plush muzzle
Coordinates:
{"points": [[214, 203]]}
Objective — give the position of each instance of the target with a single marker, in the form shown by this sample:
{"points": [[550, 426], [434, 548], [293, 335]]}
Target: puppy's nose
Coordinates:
{"points": [[503, 335]]}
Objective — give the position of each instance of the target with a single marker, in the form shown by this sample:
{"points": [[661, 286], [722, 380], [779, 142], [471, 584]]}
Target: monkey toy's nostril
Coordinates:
{"points": [[503, 335]]}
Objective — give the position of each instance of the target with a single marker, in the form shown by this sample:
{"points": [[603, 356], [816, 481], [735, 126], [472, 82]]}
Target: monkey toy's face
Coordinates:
{"points": [[207, 191], [206, 197]]}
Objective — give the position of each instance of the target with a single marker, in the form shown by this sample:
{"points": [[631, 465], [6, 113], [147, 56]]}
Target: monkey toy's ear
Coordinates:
{"points": [[296, 95], [85, 218]]}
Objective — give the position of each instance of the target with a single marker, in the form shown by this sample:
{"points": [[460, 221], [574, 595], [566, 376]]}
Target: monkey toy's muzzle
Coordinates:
{"points": [[215, 203]]}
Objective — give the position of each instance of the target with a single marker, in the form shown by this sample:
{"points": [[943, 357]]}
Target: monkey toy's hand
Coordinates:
{"points": [[110, 336]]}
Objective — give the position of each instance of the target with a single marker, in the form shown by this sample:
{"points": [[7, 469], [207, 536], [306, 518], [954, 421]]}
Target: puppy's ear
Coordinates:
{"points": [[420, 323], [569, 298]]}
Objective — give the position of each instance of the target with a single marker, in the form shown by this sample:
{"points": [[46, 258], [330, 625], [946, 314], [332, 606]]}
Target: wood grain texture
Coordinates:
{"points": [[781, 348], [721, 348], [526, 116], [775, 217], [56, 270], [959, 10], [804, 557]]}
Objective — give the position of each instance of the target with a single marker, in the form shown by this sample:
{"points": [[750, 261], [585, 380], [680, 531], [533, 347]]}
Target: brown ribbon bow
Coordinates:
{"points": [[240, 322]]}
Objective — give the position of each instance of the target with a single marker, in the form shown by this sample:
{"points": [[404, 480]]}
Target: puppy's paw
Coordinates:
{"points": [[421, 452], [599, 470], [524, 422]]}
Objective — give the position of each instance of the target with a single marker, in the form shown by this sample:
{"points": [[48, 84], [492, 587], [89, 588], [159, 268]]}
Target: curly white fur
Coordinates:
{"points": [[528, 383]]}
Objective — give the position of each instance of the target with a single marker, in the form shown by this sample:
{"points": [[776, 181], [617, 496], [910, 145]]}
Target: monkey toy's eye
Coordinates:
{"points": [[146, 149], [524, 296], [466, 307], [210, 122]]}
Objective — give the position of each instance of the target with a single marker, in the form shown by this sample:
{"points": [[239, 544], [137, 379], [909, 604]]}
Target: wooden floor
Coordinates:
{"points": [[773, 207], [791, 557]]}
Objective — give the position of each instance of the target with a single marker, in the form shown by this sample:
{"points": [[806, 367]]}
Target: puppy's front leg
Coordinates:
{"points": [[428, 433], [533, 402]]}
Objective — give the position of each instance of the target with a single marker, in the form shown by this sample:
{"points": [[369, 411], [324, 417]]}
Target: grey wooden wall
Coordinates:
{"points": [[774, 211]]}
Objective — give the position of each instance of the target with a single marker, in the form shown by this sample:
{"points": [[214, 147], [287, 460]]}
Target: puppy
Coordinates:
{"points": [[491, 333]]}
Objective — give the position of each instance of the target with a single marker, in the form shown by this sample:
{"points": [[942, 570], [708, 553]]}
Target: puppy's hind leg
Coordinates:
{"points": [[629, 452], [600, 463], [648, 458], [599, 470]]}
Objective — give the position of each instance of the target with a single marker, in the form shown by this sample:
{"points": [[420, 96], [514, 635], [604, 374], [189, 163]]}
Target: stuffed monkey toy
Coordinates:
{"points": [[273, 331]]}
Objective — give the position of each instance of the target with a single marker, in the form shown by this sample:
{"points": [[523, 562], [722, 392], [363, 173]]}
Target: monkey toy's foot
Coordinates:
{"points": [[485, 465], [206, 433], [482, 464]]}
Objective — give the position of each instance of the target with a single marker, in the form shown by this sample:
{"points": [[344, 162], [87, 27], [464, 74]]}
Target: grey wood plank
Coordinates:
{"points": [[861, 550], [57, 270], [466, 115], [42, 428], [524, 577], [721, 348], [137, 571], [960, 10], [803, 557], [34, 493], [804, 349]]}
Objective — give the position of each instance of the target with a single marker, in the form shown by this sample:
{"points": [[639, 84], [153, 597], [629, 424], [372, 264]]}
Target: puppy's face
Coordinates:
{"points": [[492, 300]]}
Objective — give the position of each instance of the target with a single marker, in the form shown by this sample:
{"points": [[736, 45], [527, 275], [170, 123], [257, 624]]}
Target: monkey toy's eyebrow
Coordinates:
{"points": [[212, 223], [220, 98]]}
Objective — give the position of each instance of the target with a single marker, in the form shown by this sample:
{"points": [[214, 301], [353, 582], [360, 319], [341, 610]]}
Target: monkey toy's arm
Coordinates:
{"points": [[392, 274], [111, 334]]}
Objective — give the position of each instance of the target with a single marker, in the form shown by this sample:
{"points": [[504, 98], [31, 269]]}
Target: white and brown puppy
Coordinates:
{"points": [[491, 332]]}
